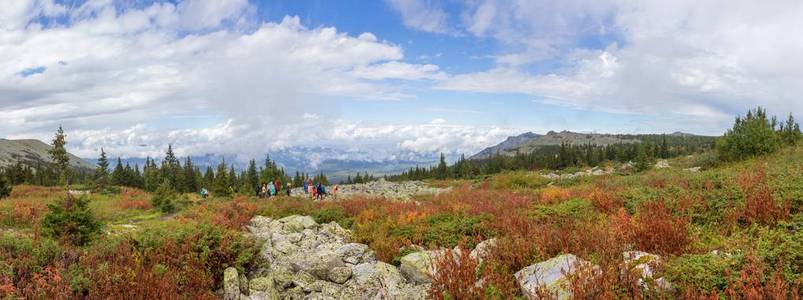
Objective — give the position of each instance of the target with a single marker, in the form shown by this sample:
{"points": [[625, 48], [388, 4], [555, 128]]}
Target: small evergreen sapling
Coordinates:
{"points": [[72, 221]]}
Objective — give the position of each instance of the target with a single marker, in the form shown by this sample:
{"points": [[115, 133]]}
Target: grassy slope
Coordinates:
{"points": [[678, 214]]}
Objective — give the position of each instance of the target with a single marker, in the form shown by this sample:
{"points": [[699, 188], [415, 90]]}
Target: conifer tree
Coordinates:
{"points": [[220, 187], [118, 175], [59, 156], [102, 171]]}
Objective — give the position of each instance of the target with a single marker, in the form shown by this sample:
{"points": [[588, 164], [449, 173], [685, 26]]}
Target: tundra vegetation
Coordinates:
{"points": [[733, 230]]}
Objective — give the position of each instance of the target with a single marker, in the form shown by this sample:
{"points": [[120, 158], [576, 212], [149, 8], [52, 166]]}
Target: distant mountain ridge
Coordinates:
{"points": [[32, 152], [529, 142]]}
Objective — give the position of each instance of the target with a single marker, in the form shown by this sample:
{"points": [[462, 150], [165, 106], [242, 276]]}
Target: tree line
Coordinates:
{"points": [[558, 157]]}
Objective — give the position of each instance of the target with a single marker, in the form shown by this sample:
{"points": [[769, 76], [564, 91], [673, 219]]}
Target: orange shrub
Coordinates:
{"points": [[553, 194], [604, 201]]}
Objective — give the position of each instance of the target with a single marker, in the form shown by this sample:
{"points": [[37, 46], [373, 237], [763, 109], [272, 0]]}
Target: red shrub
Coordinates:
{"points": [[759, 204], [655, 229], [456, 277], [604, 201], [234, 214]]}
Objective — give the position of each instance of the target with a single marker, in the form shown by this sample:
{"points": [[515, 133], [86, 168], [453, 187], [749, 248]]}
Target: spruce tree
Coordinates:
{"points": [[220, 187], [443, 169], [118, 175], [102, 171], [59, 156]]}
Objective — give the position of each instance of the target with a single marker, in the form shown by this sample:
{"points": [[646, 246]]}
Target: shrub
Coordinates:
{"points": [[759, 203], [655, 229], [456, 277], [164, 198], [5, 187], [553, 194], [572, 209], [72, 221]]}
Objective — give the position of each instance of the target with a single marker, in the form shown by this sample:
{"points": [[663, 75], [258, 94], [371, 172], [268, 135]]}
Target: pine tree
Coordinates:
{"points": [[190, 180], [443, 169], [102, 171], [59, 156], [251, 176], [664, 150], [118, 175], [220, 187], [642, 160]]}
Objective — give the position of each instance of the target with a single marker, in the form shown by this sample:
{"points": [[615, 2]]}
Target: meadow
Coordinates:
{"points": [[732, 231]]}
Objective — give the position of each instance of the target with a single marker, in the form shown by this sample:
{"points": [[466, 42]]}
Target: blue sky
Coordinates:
{"points": [[410, 75]]}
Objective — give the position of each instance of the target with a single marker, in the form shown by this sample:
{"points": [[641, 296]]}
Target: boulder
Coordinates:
{"points": [[420, 266], [298, 223], [231, 284], [662, 164], [642, 265], [355, 254], [552, 276], [263, 288], [482, 250]]}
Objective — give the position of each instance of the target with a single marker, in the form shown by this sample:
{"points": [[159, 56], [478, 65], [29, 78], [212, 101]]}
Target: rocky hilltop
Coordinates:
{"points": [[32, 153], [528, 142]]}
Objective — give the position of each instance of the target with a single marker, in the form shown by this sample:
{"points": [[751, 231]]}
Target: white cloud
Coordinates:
{"points": [[708, 59], [168, 73], [423, 15]]}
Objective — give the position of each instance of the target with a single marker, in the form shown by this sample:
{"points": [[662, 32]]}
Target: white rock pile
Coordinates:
{"points": [[307, 260]]}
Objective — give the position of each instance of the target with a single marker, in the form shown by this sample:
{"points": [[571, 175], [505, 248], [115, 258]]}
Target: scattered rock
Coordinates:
{"points": [[231, 284], [552, 276], [642, 264], [420, 266], [662, 164], [693, 170], [482, 250]]}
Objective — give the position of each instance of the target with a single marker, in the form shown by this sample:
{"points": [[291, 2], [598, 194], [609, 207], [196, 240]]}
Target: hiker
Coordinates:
{"points": [[306, 191], [313, 191], [271, 189], [277, 185], [257, 189], [289, 188], [204, 193], [334, 191], [264, 191], [321, 191]]}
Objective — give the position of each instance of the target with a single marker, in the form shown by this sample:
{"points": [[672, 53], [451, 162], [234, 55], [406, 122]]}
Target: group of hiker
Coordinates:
{"points": [[273, 189]]}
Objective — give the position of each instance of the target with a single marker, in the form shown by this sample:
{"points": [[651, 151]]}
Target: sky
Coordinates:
{"points": [[246, 77]]}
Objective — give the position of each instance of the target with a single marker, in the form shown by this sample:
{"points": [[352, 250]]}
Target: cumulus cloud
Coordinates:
{"points": [[705, 59], [201, 74]]}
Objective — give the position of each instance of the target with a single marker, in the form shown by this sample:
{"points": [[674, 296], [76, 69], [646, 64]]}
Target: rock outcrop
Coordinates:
{"points": [[307, 260], [642, 266], [552, 277], [381, 188]]}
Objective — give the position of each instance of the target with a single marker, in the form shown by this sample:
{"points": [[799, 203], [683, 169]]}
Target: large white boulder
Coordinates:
{"points": [[552, 276]]}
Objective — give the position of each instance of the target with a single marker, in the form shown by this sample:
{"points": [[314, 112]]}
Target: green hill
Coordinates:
{"points": [[32, 153]]}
